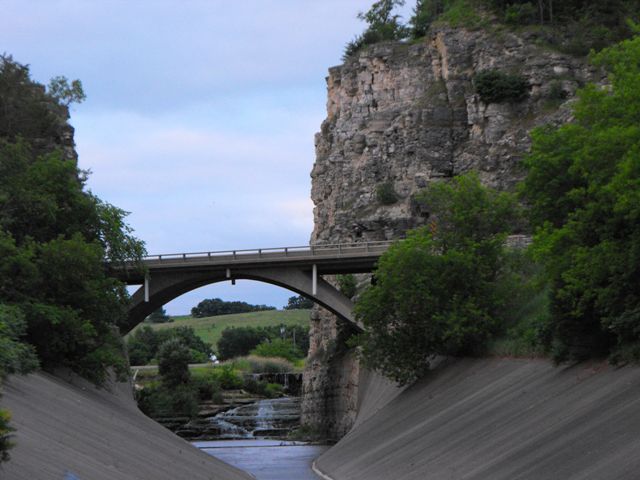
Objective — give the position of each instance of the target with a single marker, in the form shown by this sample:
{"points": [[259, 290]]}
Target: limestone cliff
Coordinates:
{"points": [[398, 117]]}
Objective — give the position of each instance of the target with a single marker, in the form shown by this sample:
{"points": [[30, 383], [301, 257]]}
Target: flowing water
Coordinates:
{"points": [[267, 459], [268, 418], [247, 436]]}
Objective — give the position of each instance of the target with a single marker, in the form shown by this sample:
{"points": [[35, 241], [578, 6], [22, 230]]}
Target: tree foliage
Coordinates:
{"points": [[173, 362], [240, 341], [144, 343], [575, 26], [278, 347], [382, 25], [494, 86], [158, 316], [298, 303], [438, 291], [55, 237], [583, 185], [215, 306], [65, 92]]}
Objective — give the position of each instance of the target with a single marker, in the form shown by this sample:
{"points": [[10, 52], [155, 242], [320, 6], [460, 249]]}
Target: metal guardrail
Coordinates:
{"points": [[312, 250]]}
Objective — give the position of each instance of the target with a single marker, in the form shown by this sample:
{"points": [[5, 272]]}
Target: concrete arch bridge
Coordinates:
{"points": [[300, 269]]}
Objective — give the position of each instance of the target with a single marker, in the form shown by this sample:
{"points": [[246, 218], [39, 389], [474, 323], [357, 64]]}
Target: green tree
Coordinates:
{"points": [[64, 92], [583, 185], [211, 307], [159, 316], [382, 25], [237, 342], [55, 237], [173, 363], [438, 291], [298, 303]]}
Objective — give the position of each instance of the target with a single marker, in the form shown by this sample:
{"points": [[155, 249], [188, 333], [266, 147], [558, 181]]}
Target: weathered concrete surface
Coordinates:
{"points": [[89, 434], [497, 419]]}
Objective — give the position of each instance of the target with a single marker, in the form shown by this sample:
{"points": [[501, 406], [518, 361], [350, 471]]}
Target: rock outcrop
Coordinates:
{"points": [[398, 117]]}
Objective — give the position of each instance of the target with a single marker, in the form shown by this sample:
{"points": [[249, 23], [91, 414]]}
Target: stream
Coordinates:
{"points": [[249, 438], [267, 459]]}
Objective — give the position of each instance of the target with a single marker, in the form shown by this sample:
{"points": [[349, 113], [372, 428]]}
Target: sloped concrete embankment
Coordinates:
{"points": [[498, 419], [71, 430]]}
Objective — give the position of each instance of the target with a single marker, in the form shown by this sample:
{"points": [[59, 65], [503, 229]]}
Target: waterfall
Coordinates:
{"points": [[268, 418]]}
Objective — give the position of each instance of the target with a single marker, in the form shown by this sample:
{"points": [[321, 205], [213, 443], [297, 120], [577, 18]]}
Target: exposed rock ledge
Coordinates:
{"points": [[496, 419], [73, 430]]}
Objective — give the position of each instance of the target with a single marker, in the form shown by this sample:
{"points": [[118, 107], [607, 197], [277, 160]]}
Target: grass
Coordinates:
{"points": [[210, 329]]}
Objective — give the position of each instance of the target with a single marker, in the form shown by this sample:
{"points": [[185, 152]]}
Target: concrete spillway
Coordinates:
{"points": [[73, 430], [497, 419]]}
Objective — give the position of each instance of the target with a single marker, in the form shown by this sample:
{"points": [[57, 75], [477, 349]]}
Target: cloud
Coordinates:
{"points": [[201, 114]]}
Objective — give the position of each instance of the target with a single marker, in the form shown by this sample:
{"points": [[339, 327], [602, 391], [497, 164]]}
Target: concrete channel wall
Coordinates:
{"points": [[497, 419], [67, 429]]}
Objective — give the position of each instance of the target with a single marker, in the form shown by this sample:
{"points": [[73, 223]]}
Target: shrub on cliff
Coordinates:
{"points": [[438, 292], [583, 185], [494, 86]]}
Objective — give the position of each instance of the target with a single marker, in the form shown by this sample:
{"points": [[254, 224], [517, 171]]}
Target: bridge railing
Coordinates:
{"points": [[311, 250]]}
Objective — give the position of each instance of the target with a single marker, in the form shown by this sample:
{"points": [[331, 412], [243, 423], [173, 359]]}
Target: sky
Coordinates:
{"points": [[200, 114]]}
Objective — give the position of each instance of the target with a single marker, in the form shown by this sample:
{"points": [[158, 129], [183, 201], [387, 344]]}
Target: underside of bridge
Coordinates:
{"points": [[163, 286]]}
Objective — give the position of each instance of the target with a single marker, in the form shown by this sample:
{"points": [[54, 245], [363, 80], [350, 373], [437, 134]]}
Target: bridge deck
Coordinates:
{"points": [[329, 259]]}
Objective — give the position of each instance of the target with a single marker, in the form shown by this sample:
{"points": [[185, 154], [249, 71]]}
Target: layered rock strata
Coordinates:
{"points": [[398, 117]]}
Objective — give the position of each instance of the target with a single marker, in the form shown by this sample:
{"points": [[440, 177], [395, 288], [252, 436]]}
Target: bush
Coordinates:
{"points": [[347, 284], [158, 401], [273, 390], [494, 86], [208, 388], [278, 348], [521, 14], [159, 316], [228, 377], [5, 435], [256, 364], [173, 363], [385, 194]]}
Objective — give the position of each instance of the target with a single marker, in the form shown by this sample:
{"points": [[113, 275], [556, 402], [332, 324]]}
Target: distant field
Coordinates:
{"points": [[210, 328]]}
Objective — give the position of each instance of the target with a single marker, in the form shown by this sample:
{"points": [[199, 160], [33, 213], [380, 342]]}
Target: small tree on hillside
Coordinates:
{"points": [[173, 363], [159, 316], [299, 303]]}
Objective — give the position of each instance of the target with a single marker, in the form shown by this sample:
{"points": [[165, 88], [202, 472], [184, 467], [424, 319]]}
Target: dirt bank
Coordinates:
{"points": [[498, 419], [74, 431]]}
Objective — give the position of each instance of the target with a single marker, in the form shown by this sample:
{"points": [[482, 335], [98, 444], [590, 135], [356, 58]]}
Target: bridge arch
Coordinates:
{"points": [[164, 286]]}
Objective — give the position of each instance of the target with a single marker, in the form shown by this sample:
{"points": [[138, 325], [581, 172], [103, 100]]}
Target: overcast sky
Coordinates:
{"points": [[200, 115]]}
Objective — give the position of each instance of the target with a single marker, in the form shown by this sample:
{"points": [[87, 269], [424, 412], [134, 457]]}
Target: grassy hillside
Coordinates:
{"points": [[210, 328]]}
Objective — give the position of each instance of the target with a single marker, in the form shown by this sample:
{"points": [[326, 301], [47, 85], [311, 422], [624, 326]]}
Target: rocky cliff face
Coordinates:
{"points": [[398, 117]]}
